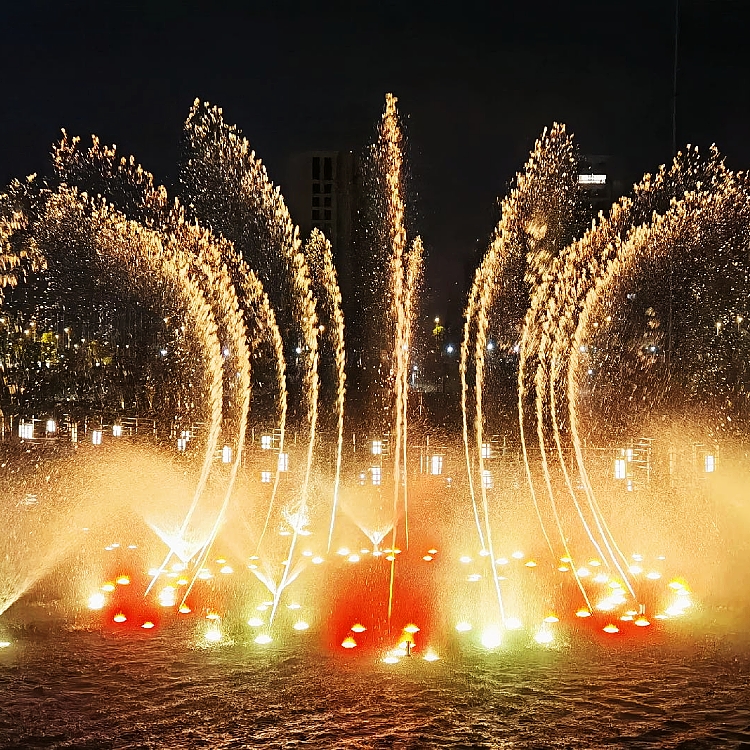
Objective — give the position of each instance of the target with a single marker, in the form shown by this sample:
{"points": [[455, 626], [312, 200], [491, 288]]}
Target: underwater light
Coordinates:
{"points": [[97, 601], [544, 636], [492, 637]]}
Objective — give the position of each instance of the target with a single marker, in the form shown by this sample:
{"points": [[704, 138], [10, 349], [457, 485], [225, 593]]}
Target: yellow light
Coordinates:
{"points": [[213, 616], [108, 587], [316, 560], [566, 560], [353, 558], [513, 623], [676, 585], [427, 558], [492, 637], [544, 636], [4, 644], [294, 605], [184, 609], [255, 622], [358, 628], [182, 581], [518, 555], [563, 568], [551, 618], [301, 625], [611, 628], [463, 627], [263, 639], [147, 625], [97, 601], [226, 570], [531, 564], [464, 559], [213, 635], [653, 575], [583, 613], [123, 580], [642, 622], [411, 628], [615, 585], [430, 655], [390, 660], [583, 572], [432, 552], [343, 551], [119, 617], [349, 642]]}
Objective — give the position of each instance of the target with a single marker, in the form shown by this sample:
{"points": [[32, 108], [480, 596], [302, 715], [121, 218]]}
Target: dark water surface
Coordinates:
{"points": [[83, 689]]}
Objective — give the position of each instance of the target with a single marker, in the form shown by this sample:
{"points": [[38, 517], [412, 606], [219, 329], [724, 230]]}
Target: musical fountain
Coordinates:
{"points": [[228, 508]]}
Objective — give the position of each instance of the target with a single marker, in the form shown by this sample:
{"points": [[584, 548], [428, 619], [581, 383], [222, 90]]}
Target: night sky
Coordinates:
{"points": [[475, 86]]}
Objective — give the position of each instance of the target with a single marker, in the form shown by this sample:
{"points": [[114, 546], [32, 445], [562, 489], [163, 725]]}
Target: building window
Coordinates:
{"points": [[283, 462], [316, 168], [316, 201], [377, 447], [328, 188], [316, 187], [327, 201], [486, 450], [592, 179], [487, 482], [436, 465], [316, 214], [327, 168], [375, 474], [620, 468], [709, 463], [266, 442], [265, 477]]}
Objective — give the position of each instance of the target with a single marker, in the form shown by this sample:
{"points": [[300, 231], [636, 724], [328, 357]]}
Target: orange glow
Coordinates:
{"points": [[120, 617], [611, 628], [349, 642]]}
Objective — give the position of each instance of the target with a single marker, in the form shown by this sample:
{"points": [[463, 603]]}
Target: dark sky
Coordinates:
{"points": [[476, 83]]}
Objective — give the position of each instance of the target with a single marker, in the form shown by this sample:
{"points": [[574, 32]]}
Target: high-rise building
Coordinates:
{"points": [[321, 191]]}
